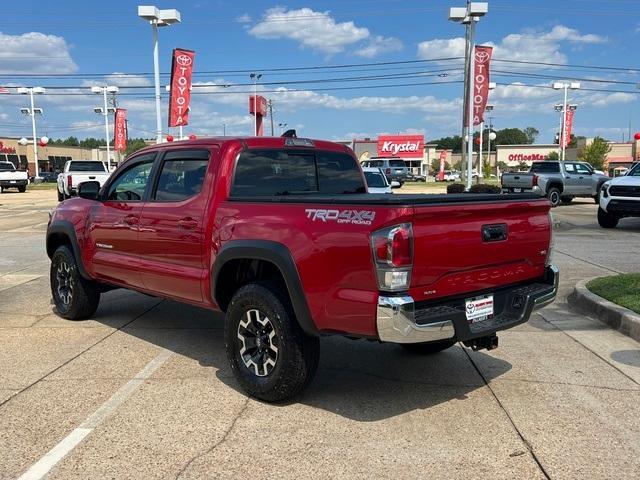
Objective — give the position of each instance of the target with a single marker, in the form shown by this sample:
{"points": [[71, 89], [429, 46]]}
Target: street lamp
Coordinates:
{"points": [[491, 86], [468, 16], [564, 86], [105, 112], [158, 18], [32, 112], [255, 77], [282, 125]]}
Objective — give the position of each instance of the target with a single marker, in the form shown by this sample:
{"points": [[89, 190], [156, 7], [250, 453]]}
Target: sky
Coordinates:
{"points": [[333, 69]]}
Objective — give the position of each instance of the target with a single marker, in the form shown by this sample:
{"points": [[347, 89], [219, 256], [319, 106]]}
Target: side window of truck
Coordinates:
{"points": [[181, 175], [569, 168], [131, 183]]}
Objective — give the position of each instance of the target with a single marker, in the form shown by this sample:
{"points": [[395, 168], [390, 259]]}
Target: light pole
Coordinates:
{"points": [[255, 77], [487, 108], [105, 111], [282, 125], [468, 16], [158, 18], [564, 86], [224, 129], [32, 112]]}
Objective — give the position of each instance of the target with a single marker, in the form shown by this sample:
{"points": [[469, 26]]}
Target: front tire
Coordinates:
{"points": [[269, 354], [428, 348], [554, 196], [607, 220], [60, 196], [74, 297]]}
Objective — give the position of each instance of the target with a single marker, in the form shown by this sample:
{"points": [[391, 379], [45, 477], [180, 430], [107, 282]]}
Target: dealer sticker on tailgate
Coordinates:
{"points": [[479, 308]]}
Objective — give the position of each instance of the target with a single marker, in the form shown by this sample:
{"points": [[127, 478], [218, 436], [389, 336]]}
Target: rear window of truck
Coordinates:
{"points": [[397, 163], [91, 166], [278, 172], [545, 167]]}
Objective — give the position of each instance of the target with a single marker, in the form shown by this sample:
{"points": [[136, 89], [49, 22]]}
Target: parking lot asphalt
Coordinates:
{"points": [[143, 389]]}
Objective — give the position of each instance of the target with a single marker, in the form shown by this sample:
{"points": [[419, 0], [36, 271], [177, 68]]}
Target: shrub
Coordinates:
{"points": [[455, 188], [485, 188]]}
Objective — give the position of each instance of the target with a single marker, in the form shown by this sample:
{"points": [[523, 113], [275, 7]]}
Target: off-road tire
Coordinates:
{"points": [[607, 220], [428, 348], [74, 297], [554, 196], [60, 196], [22, 189], [297, 353], [566, 200]]}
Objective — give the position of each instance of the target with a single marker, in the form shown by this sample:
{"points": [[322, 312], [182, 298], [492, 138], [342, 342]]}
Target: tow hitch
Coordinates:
{"points": [[489, 342]]}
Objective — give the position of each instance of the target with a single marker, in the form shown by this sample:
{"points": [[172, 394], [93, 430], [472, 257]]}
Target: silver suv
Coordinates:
{"points": [[394, 168]]}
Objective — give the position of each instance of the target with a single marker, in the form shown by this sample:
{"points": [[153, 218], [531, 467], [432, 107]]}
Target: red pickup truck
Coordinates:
{"points": [[282, 236]]}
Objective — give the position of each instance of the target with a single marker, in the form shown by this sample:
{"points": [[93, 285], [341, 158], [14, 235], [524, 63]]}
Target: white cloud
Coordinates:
{"points": [[244, 18], [378, 45], [603, 99], [311, 29], [35, 52], [529, 46]]}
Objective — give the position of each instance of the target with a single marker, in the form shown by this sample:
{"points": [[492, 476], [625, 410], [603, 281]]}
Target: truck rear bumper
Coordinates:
{"points": [[13, 183], [401, 320]]}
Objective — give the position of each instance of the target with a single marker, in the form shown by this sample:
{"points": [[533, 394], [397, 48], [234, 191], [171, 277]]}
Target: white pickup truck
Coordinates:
{"points": [[77, 171], [12, 178]]}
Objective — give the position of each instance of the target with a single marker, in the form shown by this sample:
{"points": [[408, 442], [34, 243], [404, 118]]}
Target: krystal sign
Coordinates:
{"points": [[405, 146]]}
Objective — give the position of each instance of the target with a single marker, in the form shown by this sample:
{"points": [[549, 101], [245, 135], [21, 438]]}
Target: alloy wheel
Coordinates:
{"points": [[258, 343], [64, 282]]}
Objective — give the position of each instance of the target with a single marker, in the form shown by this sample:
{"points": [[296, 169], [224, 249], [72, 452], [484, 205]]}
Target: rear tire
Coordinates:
{"points": [[554, 196], [428, 348], [22, 189], [607, 220], [269, 354], [60, 196], [74, 297]]}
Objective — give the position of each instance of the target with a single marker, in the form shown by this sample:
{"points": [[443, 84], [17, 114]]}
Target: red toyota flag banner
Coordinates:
{"points": [[120, 130], [568, 126], [180, 93], [443, 159], [481, 82]]}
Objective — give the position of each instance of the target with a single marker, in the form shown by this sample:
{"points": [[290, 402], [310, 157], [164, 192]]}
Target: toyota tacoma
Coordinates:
{"points": [[281, 235]]}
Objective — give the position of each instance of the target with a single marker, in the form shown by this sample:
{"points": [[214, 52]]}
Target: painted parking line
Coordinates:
{"points": [[43, 466]]}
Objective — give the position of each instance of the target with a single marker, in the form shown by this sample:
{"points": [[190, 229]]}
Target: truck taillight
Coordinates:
{"points": [[534, 181], [69, 182], [393, 256], [387, 171]]}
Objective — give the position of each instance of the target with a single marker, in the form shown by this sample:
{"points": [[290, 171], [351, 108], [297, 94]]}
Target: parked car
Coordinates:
{"points": [[10, 177], [449, 176], [377, 182], [417, 178], [282, 236], [558, 181], [77, 171], [48, 177], [619, 198], [394, 168]]}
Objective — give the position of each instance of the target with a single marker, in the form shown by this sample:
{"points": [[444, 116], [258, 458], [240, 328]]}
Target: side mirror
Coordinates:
{"points": [[89, 190], [395, 184]]}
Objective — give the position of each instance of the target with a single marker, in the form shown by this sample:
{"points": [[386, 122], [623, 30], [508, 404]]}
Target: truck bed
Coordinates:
{"points": [[386, 199]]}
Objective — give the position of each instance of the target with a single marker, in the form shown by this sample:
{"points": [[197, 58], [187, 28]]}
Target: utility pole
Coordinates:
{"points": [[270, 105]]}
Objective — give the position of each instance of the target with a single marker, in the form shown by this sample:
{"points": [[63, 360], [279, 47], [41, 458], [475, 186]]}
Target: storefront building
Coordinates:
{"points": [[50, 157], [411, 148]]}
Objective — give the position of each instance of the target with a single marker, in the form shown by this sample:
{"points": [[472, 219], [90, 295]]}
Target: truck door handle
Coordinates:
{"points": [[567, 176], [187, 223], [494, 233], [131, 219]]}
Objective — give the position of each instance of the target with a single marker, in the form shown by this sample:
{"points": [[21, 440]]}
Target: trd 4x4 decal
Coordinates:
{"points": [[356, 217]]}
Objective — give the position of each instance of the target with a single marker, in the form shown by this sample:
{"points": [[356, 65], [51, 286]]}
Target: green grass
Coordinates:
{"points": [[622, 289], [42, 186]]}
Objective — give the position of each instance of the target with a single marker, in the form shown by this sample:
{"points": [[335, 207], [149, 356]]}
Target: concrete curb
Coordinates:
{"points": [[617, 317]]}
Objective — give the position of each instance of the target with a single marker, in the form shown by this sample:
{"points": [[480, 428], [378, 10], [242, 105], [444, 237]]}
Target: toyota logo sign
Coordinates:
{"points": [[184, 60], [482, 57]]}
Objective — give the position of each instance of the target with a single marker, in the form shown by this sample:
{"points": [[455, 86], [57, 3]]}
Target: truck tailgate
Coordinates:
{"points": [[479, 247], [517, 180]]}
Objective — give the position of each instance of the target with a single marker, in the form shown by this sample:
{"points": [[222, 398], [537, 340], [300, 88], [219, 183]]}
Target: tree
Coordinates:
{"points": [[553, 155], [135, 144], [502, 165], [573, 140], [531, 133], [92, 143], [435, 165], [522, 166], [449, 143], [511, 136], [595, 153]]}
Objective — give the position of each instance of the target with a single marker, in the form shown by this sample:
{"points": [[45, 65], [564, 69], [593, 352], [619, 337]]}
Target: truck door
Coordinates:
{"points": [[571, 182], [172, 225], [585, 180], [113, 224]]}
